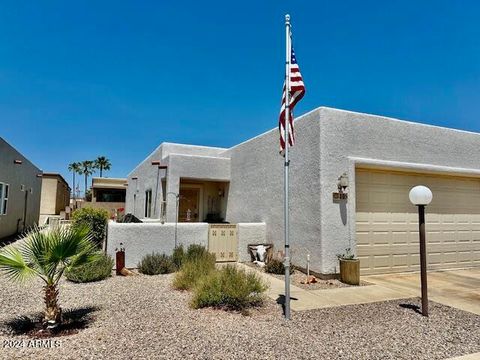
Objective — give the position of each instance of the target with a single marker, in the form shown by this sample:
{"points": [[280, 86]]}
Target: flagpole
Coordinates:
{"points": [[286, 166]]}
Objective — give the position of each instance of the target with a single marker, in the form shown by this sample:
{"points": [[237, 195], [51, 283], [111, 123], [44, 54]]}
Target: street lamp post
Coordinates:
{"points": [[422, 196]]}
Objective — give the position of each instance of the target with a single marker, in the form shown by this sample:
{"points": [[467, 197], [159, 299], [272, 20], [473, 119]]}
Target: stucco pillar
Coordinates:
{"points": [[173, 188]]}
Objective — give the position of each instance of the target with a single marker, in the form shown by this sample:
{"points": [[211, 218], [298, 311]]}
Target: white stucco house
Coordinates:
{"points": [[382, 157]]}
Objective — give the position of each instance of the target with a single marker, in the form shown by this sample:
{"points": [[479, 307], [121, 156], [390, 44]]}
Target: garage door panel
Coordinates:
{"points": [[435, 237], [387, 224], [400, 237], [476, 256]]}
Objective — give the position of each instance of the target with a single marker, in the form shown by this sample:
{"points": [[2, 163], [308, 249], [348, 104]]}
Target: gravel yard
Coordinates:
{"points": [[297, 277], [142, 317]]}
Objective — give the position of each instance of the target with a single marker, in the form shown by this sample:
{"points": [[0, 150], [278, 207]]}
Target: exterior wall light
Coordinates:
{"points": [[18, 162], [342, 183], [421, 196]]}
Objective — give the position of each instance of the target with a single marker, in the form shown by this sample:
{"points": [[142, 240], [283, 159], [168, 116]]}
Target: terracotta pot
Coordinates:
{"points": [[350, 271]]}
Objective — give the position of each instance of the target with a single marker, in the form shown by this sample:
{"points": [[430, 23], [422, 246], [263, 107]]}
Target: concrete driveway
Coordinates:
{"points": [[456, 288]]}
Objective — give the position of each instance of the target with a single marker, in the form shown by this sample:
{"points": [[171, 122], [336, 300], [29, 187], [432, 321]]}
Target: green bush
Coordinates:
{"points": [[95, 219], [155, 263], [194, 269], [97, 270], [229, 288], [195, 251], [178, 256], [275, 266]]}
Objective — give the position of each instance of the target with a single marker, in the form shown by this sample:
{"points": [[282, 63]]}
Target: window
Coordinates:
{"points": [[148, 203], [4, 189], [110, 195]]}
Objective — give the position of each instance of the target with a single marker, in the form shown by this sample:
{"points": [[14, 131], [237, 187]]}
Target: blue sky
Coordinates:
{"points": [[116, 78]]}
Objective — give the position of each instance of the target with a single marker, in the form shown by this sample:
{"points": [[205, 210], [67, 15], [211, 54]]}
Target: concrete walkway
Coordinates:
{"points": [[317, 299], [475, 356], [456, 288]]}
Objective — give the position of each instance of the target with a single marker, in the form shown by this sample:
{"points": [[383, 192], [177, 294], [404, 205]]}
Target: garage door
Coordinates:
{"points": [[387, 223]]}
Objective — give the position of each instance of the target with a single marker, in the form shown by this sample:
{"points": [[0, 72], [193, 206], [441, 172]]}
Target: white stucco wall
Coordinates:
{"points": [[144, 238], [329, 142], [256, 187], [348, 139], [183, 161], [250, 233]]}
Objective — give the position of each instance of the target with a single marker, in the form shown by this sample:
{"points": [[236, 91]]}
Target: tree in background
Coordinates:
{"points": [[75, 168], [102, 163], [87, 168]]}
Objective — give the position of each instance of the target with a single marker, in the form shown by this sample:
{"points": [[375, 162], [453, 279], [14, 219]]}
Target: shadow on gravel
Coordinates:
{"points": [[415, 308], [281, 301], [9, 239], [73, 320]]}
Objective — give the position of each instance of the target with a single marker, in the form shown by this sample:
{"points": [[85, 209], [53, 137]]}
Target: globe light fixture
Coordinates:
{"points": [[421, 196]]}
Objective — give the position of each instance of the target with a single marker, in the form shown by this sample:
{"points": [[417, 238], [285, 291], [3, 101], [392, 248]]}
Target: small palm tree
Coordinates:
{"points": [[47, 254], [87, 169], [75, 168], [102, 163]]}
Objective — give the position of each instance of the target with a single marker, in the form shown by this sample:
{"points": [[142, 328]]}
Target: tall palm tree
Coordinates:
{"points": [[75, 168], [47, 254], [87, 169], [102, 163]]}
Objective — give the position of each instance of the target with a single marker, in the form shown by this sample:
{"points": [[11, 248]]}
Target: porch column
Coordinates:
{"points": [[173, 187]]}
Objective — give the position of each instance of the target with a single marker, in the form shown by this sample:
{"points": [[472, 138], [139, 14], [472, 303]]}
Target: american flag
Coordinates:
{"points": [[297, 90]]}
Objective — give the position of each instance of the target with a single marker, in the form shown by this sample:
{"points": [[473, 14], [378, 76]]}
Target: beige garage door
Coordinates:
{"points": [[387, 223]]}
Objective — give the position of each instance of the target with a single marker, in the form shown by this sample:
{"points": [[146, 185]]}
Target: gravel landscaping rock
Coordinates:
{"points": [[142, 317], [297, 277]]}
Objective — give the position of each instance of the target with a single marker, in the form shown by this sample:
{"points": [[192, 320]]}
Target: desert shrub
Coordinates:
{"points": [[195, 251], [275, 266], [95, 219], [95, 271], [194, 269], [155, 263], [178, 257], [229, 288]]}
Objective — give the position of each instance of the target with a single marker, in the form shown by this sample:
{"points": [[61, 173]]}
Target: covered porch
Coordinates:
{"points": [[202, 201]]}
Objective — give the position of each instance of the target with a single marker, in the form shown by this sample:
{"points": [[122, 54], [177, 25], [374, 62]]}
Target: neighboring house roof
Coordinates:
{"points": [[109, 183], [21, 157], [56, 175]]}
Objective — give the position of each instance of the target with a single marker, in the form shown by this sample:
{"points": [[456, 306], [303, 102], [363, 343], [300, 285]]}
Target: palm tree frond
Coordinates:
{"points": [[13, 265], [33, 248], [66, 242]]}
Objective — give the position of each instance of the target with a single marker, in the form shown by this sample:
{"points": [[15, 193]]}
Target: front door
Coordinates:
{"points": [[189, 204]]}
